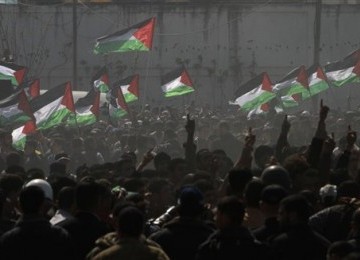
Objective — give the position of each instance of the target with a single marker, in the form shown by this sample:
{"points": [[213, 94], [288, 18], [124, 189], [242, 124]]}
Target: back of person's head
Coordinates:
{"points": [[174, 163], [339, 250], [252, 193], [191, 201], [296, 165], [44, 186], [16, 169], [87, 195], [273, 194], [14, 159], [328, 195], [276, 174], [338, 176], [298, 205], [161, 160], [60, 182], [238, 180], [232, 208], [57, 168], [35, 173], [66, 198], [31, 200], [130, 222], [10, 183], [349, 189], [262, 154]]}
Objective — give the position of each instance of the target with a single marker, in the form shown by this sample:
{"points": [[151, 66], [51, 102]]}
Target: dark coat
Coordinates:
{"points": [[84, 229], [37, 239], [300, 243], [267, 231], [232, 243], [181, 237]]}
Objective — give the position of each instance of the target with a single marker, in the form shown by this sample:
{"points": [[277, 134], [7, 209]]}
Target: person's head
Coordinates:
{"points": [[328, 195], [276, 174], [87, 196], [177, 169], [66, 199], [262, 155], [339, 250], [238, 180], [349, 189], [11, 185], [125, 167], [252, 193], [160, 192], [130, 222], [230, 212], [204, 160], [32, 199], [162, 161], [191, 202], [57, 168], [14, 159], [294, 210], [270, 199], [6, 139]]}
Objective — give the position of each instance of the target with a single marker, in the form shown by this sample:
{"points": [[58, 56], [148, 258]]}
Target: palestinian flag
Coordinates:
{"points": [[129, 88], [13, 72], [177, 83], [345, 71], [294, 87], [101, 81], [33, 90], [19, 134], [260, 94], [53, 107], [317, 80], [138, 37], [117, 106], [87, 109], [15, 110]]}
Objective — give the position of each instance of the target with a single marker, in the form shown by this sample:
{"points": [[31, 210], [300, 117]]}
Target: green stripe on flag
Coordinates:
{"points": [[119, 46], [56, 118], [353, 78], [318, 87], [178, 91], [263, 98], [129, 97]]}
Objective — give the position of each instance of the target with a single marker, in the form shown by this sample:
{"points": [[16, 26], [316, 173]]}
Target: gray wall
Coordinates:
{"points": [[222, 45]]}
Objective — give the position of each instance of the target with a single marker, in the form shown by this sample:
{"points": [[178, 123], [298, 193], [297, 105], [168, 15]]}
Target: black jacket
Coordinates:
{"points": [[36, 238], [181, 237], [232, 243]]}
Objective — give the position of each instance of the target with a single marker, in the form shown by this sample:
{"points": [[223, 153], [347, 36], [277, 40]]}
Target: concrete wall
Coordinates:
{"points": [[222, 45]]}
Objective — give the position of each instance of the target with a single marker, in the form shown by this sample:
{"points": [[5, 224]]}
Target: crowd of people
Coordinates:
{"points": [[185, 184]]}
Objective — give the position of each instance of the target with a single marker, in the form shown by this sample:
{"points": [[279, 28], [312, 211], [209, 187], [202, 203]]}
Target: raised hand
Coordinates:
{"points": [[190, 125], [329, 144], [351, 137], [285, 127], [324, 110], [250, 139]]}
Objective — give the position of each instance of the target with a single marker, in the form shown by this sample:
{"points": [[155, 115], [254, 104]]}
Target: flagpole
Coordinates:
{"points": [[317, 38], [75, 44]]}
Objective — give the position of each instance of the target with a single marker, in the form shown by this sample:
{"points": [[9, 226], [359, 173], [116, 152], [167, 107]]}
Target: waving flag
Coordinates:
{"points": [[317, 80], [129, 87], [177, 83], [117, 107], [13, 72], [345, 71], [101, 80], [294, 87], [138, 37], [87, 109], [53, 107], [260, 94], [15, 110]]}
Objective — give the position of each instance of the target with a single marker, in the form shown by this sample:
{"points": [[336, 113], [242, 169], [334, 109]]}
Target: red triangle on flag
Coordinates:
{"points": [[302, 77], [24, 104], [185, 79], [105, 78], [296, 97], [266, 83], [19, 75], [320, 73], [68, 99], [29, 127], [34, 89], [95, 108], [356, 69], [121, 100], [134, 85], [145, 33], [265, 107]]}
